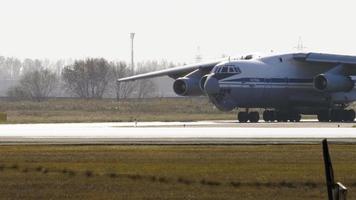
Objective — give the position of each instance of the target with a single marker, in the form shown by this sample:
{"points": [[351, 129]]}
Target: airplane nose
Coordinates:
{"points": [[211, 85]]}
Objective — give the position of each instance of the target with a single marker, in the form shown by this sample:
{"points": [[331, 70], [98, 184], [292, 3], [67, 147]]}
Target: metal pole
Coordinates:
{"points": [[132, 36]]}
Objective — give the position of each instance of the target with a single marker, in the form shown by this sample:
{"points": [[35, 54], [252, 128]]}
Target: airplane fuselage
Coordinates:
{"points": [[277, 82], [284, 85]]}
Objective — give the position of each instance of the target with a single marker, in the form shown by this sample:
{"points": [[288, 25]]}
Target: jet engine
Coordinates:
{"points": [[187, 86], [202, 83], [333, 83]]}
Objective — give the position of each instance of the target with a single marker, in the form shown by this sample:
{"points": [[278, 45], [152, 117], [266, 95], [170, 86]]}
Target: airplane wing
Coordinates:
{"points": [[325, 58], [174, 72]]}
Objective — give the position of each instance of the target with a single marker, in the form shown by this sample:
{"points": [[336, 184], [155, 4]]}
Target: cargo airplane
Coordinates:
{"points": [[285, 85]]}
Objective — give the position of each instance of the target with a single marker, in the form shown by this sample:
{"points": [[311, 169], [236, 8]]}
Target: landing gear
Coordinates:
{"points": [[269, 116], [244, 117], [336, 116], [294, 117], [281, 116], [351, 115], [254, 117]]}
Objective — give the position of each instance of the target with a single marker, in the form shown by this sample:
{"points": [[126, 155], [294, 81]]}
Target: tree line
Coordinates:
{"points": [[91, 78]]}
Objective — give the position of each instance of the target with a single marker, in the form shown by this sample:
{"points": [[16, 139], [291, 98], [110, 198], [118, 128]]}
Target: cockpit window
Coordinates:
{"points": [[227, 69], [224, 69], [237, 70]]}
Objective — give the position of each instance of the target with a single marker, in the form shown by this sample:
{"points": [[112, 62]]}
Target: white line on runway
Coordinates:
{"points": [[158, 130]]}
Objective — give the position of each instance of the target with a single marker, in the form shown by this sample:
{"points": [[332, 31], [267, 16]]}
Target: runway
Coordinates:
{"points": [[203, 132]]}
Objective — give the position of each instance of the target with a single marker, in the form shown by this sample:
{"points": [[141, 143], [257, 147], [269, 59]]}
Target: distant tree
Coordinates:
{"points": [[146, 87], [36, 85], [87, 78], [9, 68], [154, 65], [124, 89], [17, 93], [15, 66], [58, 66], [31, 65]]}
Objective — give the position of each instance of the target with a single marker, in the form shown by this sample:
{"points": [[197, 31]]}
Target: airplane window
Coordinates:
{"points": [[231, 69], [237, 69], [224, 69]]}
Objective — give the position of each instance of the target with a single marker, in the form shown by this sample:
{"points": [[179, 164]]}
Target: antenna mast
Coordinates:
{"points": [[198, 57], [300, 46]]}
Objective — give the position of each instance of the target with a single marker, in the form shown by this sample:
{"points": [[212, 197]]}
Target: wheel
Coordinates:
{"points": [[349, 115], [242, 117], [254, 117], [272, 115], [294, 117], [265, 116], [268, 116], [337, 115], [281, 117], [323, 116], [352, 115], [298, 118]]}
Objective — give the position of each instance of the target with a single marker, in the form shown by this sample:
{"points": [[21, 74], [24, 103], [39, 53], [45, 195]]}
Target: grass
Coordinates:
{"points": [[3, 117], [172, 172], [77, 110]]}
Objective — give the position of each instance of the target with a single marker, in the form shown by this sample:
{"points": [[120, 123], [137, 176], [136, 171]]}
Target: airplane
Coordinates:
{"points": [[284, 85]]}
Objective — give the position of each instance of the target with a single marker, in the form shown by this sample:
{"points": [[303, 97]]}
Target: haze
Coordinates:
{"points": [[172, 30]]}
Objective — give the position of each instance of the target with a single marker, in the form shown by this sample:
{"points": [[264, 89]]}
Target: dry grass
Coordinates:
{"points": [[3, 117], [77, 110], [171, 172]]}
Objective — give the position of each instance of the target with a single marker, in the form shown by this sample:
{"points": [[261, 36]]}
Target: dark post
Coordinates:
{"points": [[329, 173], [336, 191]]}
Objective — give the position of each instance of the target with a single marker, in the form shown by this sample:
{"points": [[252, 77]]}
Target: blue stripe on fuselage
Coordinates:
{"points": [[271, 80]]}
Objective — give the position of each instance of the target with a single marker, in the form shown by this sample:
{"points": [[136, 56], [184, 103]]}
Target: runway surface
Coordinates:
{"points": [[203, 132]]}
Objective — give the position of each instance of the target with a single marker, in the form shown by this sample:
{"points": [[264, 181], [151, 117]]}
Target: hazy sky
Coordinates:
{"points": [[173, 29]]}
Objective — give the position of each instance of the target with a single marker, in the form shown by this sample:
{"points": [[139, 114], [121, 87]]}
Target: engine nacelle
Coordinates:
{"points": [[202, 83], [333, 83], [187, 87]]}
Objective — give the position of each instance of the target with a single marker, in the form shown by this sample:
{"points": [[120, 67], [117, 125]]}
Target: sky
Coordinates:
{"points": [[173, 29]]}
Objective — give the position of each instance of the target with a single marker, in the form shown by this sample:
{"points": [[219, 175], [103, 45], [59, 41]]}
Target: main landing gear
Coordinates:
{"points": [[336, 116], [269, 116], [244, 117], [281, 116]]}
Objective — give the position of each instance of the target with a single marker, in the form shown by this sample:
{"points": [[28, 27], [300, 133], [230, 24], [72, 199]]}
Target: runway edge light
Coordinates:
{"points": [[336, 191]]}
